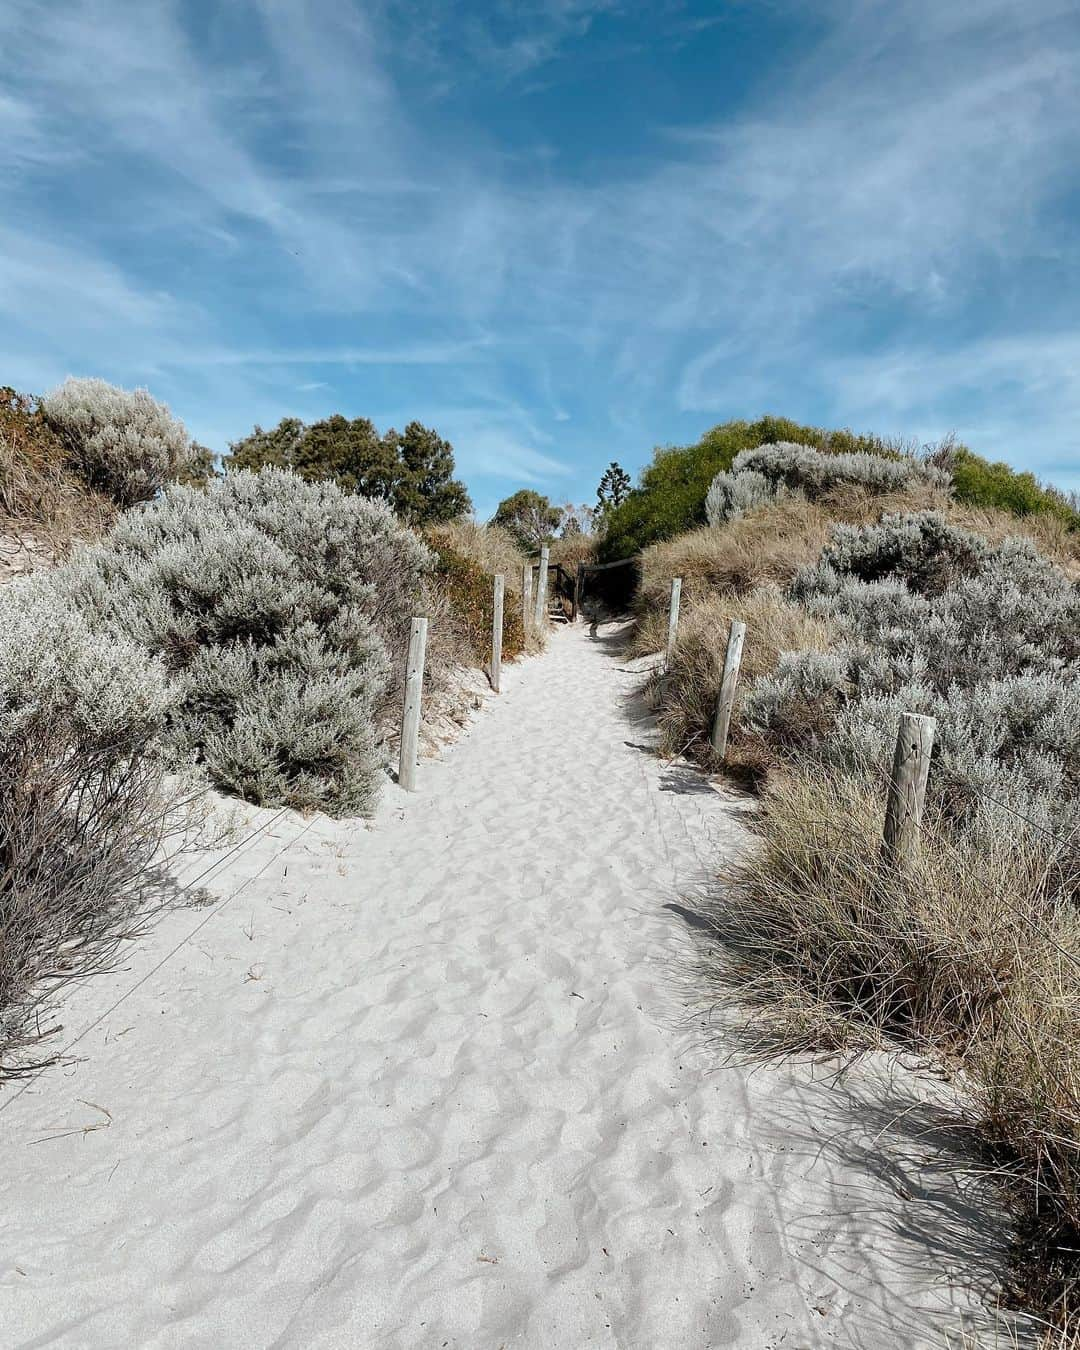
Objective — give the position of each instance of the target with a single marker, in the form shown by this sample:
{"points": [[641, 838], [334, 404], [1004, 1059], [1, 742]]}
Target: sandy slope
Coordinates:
{"points": [[431, 1082]]}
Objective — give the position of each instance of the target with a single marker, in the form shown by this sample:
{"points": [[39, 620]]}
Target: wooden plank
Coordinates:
{"points": [[907, 787], [673, 616], [497, 632], [541, 588], [726, 699], [410, 722], [526, 594], [578, 582], [604, 567]]}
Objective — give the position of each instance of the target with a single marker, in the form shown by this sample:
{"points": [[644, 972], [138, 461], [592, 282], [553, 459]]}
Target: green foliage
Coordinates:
{"points": [[980, 483], [412, 471], [614, 487], [199, 468], [671, 496], [471, 595], [529, 516]]}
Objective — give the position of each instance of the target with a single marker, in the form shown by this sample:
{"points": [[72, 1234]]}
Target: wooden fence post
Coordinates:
{"points": [[541, 586], [673, 616], [496, 632], [579, 582], [410, 722], [726, 700], [907, 787], [526, 594]]}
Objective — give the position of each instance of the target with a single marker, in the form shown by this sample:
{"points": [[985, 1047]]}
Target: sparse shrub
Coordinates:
{"points": [[44, 507], [732, 495], [122, 443], [282, 609], [471, 607], [84, 802], [770, 472]]}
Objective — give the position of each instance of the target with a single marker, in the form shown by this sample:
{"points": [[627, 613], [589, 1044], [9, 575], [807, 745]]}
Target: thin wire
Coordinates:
{"points": [[183, 942]]}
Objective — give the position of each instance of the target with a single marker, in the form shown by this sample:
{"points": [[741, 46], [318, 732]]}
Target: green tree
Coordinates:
{"points": [[413, 472], [426, 490], [614, 487], [530, 517], [199, 468]]}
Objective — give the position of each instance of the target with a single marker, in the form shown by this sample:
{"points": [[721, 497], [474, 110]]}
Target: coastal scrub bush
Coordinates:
{"points": [[281, 608], [768, 472], [84, 798], [470, 598], [931, 619], [122, 443]]}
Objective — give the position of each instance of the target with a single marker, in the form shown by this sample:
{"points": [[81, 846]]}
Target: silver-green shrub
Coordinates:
{"points": [[275, 604], [84, 797], [935, 620], [731, 495], [785, 468], [122, 442]]}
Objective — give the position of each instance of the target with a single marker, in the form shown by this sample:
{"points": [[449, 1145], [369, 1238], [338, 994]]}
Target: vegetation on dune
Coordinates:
{"points": [[670, 498], [671, 495], [43, 503], [869, 589]]}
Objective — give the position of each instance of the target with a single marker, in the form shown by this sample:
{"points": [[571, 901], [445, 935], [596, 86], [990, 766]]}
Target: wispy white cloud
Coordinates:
{"points": [[832, 243]]}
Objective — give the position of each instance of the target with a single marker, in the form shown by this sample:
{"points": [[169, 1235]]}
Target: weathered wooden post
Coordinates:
{"points": [[410, 722], [496, 632], [579, 582], [907, 787], [541, 587], [526, 594], [673, 616], [726, 699]]}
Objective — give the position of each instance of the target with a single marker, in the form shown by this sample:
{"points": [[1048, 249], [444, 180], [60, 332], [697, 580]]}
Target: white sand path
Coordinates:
{"points": [[431, 1082]]}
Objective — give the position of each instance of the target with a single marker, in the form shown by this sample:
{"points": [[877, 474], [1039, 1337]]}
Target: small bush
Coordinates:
{"points": [[471, 607], [84, 804], [732, 495], [282, 609], [122, 443]]}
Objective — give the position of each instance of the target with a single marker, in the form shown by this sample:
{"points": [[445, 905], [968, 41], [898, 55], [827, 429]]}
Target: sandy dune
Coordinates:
{"points": [[432, 1081]]}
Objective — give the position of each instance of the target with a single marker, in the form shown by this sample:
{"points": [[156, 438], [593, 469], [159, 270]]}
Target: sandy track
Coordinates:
{"points": [[431, 1083]]}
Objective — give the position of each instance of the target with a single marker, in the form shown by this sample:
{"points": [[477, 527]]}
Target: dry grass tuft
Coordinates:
{"points": [[691, 681], [43, 507], [971, 956]]}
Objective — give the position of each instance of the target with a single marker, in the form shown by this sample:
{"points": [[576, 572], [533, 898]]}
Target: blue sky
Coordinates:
{"points": [[561, 231]]}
